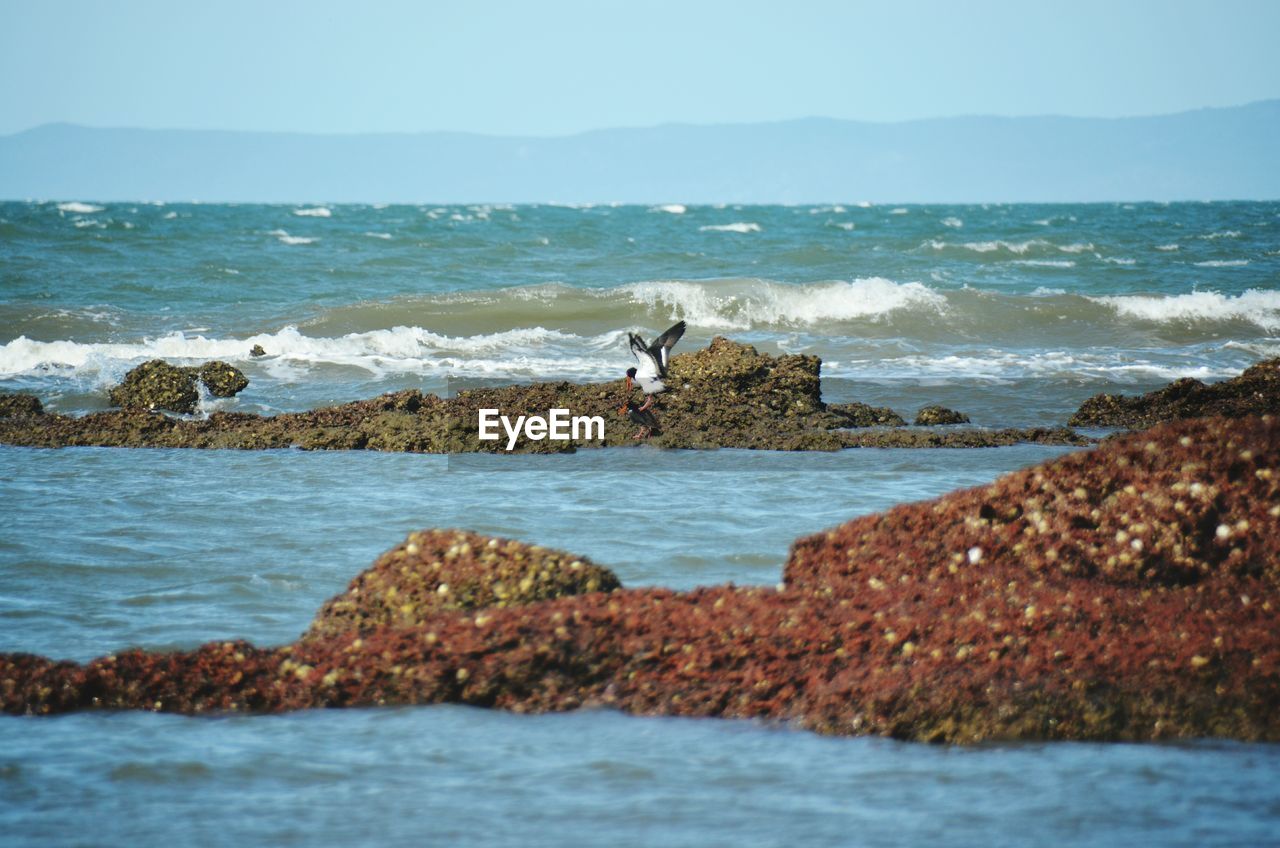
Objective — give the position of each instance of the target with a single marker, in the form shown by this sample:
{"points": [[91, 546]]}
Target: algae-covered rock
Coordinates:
{"points": [[864, 415], [933, 415], [727, 395], [447, 570], [1124, 593], [222, 380], [1256, 391], [158, 385], [19, 405]]}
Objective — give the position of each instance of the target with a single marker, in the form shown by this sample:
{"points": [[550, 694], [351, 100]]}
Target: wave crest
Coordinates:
{"points": [[1254, 306], [742, 305]]}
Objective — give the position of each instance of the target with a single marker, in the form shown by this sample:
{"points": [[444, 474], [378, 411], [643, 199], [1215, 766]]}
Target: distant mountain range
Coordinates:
{"points": [[1208, 154]]}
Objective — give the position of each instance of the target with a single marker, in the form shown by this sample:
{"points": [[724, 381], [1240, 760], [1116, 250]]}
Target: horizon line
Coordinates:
{"points": [[643, 127]]}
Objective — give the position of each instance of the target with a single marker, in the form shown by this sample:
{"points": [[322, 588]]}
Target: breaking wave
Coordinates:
{"points": [[77, 208], [1016, 248], [1255, 306], [730, 228]]}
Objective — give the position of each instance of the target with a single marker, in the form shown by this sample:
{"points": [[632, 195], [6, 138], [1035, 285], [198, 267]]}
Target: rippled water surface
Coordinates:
{"points": [[101, 549], [1012, 314]]}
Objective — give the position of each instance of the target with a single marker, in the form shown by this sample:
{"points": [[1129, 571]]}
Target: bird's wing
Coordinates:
{"points": [[646, 364], [660, 350]]}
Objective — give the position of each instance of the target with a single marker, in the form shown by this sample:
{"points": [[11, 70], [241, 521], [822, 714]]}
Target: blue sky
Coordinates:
{"points": [[552, 67]]}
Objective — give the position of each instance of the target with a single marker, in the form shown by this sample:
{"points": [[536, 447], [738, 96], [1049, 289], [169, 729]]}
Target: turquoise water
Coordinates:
{"points": [[1010, 313], [1017, 312]]}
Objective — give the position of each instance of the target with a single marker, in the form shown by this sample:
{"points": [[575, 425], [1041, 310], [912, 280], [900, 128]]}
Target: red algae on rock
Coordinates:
{"points": [[1128, 592]]}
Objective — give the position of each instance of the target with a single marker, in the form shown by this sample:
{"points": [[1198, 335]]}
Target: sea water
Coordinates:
{"points": [[1012, 314]]}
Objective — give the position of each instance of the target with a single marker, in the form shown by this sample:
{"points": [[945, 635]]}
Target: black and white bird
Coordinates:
{"points": [[644, 417], [652, 362]]}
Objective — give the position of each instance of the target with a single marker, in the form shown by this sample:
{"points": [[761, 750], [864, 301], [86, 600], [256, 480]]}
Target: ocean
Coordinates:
{"points": [[1011, 314]]}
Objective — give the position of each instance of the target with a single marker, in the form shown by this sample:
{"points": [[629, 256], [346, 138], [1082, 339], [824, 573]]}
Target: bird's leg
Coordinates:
{"points": [[648, 404]]}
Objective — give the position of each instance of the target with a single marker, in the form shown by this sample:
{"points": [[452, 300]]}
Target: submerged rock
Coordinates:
{"points": [[1127, 592], [157, 385], [1256, 391], [933, 415], [865, 415]]}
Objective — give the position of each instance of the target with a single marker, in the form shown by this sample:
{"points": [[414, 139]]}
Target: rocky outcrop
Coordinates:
{"points": [[1128, 592], [19, 405], [725, 395], [931, 416], [222, 380], [1254, 392], [157, 385], [439, 571]]}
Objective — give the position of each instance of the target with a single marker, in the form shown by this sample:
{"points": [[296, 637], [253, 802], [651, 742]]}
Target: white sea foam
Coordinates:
{"points": [[383, 236], [77, 208], [314, 212], [953, 222], [523, 352], [994, 365], [90, 222], [731, 228], [1256, 306], [847, 226], [1168, 247], [1261, 349], [285, 238], [740, 305], [1231, 234], [1046, 263], [899, 210], [673, 208], [1223, 263], [1117, 260], [1017, 248]]}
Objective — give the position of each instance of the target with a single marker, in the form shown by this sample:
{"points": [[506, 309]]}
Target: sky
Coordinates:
{"points": [[557, 67]]}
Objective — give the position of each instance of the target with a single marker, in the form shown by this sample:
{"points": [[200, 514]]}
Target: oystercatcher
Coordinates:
{"points": [[644, 417], [652, 359]]}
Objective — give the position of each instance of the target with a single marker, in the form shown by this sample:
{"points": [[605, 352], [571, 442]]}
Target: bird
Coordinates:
{"points": [[644, 417], [652, 362]]}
